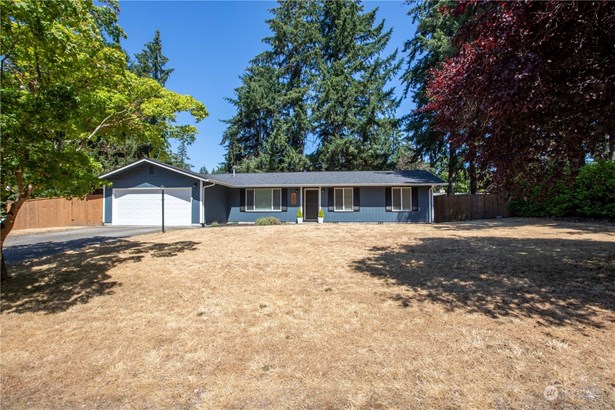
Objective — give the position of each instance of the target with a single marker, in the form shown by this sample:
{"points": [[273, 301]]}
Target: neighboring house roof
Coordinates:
{"points": [[291, 179]]}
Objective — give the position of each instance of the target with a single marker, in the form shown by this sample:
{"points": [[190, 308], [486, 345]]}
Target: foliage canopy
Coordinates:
{"points": [[65, 88]]}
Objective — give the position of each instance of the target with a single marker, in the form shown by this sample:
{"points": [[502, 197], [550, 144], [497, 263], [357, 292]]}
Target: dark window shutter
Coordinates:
{"points": [[242, 200], [387, 199], [330, 199], [356, 200], [284, 200], [415, 198]]}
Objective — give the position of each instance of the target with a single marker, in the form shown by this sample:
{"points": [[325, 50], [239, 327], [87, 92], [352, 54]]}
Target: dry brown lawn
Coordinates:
{"points": [[469, 315]]}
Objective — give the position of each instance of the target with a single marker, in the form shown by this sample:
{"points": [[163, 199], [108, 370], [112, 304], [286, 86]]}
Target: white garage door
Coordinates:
{"points": [[144, 206]]}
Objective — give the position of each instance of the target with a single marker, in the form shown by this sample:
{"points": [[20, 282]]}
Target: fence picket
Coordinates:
{"points": [[449, 208], [59, 212]]}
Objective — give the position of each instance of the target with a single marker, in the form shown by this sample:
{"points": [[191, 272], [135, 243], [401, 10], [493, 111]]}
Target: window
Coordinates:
{"points": [[343, 200], [402, 199], [264, 200]]}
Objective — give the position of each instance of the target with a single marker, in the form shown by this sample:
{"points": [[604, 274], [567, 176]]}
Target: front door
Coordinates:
{"points": [[311, 204]]}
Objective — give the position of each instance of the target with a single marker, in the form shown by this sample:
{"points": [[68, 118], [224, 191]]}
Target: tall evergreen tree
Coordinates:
{"points": [[249, 129], [323, 77], [431, 45], [151, 62], [354, 114], [272, 123], [294, 46]]}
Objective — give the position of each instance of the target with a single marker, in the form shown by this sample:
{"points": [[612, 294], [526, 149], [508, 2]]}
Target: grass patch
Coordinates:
{"points": [[469, 315]]}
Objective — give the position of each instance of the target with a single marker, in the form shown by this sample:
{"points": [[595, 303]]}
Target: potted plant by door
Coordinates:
{"points": [[321, 216], [299, 216]]}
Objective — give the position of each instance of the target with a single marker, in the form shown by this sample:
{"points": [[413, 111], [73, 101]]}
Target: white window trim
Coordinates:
{"points": [[254, 199], [401, 199], [343, 199]]}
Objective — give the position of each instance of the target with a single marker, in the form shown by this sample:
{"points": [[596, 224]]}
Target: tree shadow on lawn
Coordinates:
{"points": [[576, 225], [56, 282], [559, 281]]}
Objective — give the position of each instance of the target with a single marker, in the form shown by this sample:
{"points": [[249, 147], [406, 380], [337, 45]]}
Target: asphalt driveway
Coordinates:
{"points": [[21, 247]]}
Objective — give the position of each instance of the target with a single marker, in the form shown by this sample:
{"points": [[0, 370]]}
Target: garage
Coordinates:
{"points": [[140, 206]]}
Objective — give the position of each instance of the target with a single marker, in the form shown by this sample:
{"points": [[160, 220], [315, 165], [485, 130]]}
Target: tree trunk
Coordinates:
{"points": [[9, 221], [473, 178], [452, 171], [5, 273], [472, 160]]}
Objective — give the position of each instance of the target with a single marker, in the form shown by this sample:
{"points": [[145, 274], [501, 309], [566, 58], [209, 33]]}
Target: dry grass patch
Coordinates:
{"points": [[477, 315]]}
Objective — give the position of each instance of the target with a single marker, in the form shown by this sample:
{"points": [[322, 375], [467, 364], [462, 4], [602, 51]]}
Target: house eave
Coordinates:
{"points": [[326, 185]]}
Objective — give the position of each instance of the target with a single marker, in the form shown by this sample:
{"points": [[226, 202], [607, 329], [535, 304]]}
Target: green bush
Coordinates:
{"points": [[268, 220], [592, 195], [299, 213], [321, 213], [594, 190]]}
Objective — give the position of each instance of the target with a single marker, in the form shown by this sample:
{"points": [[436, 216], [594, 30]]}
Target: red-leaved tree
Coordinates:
{"points": [[531, 92]]}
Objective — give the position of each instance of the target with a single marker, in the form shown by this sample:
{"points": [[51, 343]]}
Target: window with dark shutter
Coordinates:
{"points": [[415, 198], [356, 202], [242, 200], [331, 199], [388, 202]]}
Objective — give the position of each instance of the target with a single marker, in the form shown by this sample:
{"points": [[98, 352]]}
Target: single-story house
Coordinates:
{"points": [[190, 198]]}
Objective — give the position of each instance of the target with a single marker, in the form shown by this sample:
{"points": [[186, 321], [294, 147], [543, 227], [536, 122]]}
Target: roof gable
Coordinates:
{"points": [[156, 163]]}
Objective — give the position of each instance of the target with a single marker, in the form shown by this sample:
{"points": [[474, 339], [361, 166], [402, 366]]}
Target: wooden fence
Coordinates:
{"points": [[58, 212], [448, 208]]}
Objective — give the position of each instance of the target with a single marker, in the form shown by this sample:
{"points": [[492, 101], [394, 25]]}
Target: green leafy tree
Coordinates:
{"points": [[66, 87], [149, 63]]}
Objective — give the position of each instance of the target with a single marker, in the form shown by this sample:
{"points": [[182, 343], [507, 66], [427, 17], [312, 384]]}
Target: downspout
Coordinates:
{"points": [[104, 207], [431, 203], [301, 202], [203, 193]]}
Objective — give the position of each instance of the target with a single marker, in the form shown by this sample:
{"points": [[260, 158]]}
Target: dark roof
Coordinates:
{"points": [[320, 178], [327, 178], [155, 162]]}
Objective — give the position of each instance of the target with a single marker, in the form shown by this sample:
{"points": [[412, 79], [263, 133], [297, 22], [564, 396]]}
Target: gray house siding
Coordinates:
{"points": [[236, 215], [107, 205], [373, 207], [151, 176], [224, 205], [216, 204]]}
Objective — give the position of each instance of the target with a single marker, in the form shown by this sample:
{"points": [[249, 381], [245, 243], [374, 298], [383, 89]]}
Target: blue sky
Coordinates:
{"points": [[210, 43]]}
